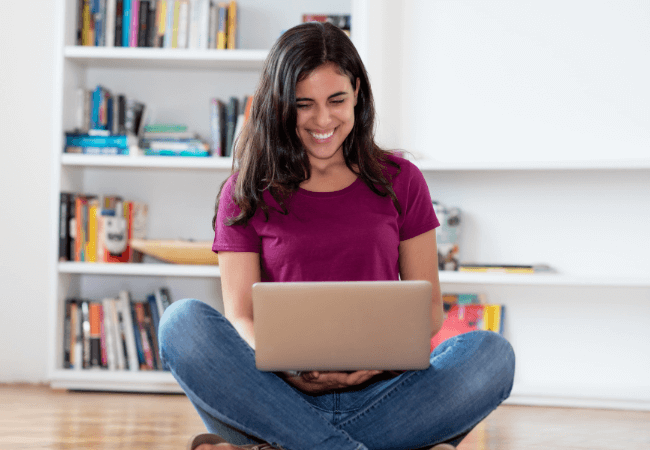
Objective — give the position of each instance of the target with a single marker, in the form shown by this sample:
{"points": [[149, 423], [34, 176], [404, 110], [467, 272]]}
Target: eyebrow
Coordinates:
{"points": [[305, 99]]}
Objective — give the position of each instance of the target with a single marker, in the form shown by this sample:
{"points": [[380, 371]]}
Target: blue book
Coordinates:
{"points": [[126, 22], [84, 140]]}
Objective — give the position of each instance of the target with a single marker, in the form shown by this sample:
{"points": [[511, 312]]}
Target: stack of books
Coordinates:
{"points": [[193, 24], [468, 312], [340, 20], [226, 122], [172, 140]]}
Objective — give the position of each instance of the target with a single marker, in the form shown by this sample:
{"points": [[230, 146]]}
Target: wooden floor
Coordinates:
{"points": [[36, 417]]}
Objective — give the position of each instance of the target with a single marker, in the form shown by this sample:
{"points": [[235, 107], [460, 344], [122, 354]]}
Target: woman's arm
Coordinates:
{"points": [[418, 260], [239, 271]]}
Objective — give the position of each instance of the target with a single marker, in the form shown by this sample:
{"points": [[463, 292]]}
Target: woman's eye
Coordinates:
{"points": [[302, 105], [338, 101]]}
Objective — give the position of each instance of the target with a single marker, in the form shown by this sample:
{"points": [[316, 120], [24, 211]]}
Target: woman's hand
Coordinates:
{"points": [[316, 382]]}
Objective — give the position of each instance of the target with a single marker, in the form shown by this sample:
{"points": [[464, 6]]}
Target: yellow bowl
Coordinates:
{"points": [[177, 251]]}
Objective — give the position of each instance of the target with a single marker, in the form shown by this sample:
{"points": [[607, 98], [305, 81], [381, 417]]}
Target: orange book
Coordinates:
{"points": [[247, 111], [94, 313]]}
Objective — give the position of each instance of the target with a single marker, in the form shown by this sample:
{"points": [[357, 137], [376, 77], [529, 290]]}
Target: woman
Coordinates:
{"points": [[313, 198]]}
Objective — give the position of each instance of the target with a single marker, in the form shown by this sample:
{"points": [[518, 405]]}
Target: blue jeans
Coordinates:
{"points": [[469, 376]]}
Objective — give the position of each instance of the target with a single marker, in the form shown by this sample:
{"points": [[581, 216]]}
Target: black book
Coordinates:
{"points": [[151, 25], [66, 211], [143, 17], [119, 16]]}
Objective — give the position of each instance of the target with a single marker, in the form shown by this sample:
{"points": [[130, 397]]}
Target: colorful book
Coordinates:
{"points": [[465, 318], [222, 25]]}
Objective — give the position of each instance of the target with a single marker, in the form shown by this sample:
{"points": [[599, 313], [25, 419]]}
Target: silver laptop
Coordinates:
{"points": [[351, 325]]}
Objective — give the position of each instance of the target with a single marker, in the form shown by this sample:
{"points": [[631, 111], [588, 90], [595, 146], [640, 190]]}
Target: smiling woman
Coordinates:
{"points": [[314, 198]]}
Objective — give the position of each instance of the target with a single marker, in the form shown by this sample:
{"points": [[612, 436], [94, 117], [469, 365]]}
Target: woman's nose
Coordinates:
{"points": [[322, 117]]}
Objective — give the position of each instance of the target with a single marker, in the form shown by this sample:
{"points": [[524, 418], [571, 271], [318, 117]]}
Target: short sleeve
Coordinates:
{"points": [[413, 194], [233, 238]]}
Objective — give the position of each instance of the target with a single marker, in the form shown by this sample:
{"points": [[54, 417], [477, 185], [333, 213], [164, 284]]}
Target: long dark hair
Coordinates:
{"points": [[269, 154]]}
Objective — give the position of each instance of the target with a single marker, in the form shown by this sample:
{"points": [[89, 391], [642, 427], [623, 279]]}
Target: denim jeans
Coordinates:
{"points": [[469, 376]]}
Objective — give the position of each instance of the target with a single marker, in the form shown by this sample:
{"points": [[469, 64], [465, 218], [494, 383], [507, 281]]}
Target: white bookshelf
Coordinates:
{"points": [[180, 192]]}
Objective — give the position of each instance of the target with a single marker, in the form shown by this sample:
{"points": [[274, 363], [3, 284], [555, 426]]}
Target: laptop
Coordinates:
{"points": [[342, 326]]}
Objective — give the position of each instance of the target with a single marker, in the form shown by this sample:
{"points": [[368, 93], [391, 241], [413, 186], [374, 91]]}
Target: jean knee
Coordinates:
{"points": [[177, 323], [504, 359]]}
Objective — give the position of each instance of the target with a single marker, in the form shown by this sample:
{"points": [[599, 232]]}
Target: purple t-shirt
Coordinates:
{"points": [[347, 235]]}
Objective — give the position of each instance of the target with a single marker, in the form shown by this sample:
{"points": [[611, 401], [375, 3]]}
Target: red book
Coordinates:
{"points": [[465, 318]]}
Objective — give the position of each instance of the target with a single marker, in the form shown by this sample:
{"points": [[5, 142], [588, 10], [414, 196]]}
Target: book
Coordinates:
{"points": [[465, 318], [65, 216], [110, 335], [68, 332], [231, 40], [94, 335], [85, 335], [342, 21], [222, 25], [91, 241], [119, 16], [110, 21], [231, 123], [146, 346], [217, 123], [126, 321], [505, 268]]}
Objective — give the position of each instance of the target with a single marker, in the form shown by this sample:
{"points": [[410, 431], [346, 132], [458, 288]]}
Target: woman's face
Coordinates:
{"points": [[325, 100]]}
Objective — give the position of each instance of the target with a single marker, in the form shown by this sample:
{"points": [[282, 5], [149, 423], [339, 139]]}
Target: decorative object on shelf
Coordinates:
{"points": [[505, 268], [447, 235], [177, 251]]}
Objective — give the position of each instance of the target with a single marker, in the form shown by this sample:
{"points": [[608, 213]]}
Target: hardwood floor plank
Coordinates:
{"points": [[37, 417]]}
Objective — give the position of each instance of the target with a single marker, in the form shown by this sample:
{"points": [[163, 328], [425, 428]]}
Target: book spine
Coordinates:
{"points": [[129, 336], [231, 123], [119, 17], [109, 335], [222, 27], [169, 23], [231, 41], [85, 320], [161, 21], [120, 343], [67, 333], [65, 208], [152, 334], [126, 23], [134, 24], [91, 245], [95, 336], [78, 353], [143, 16], [151, 24], [183, 18], [147, 345], [175, 23]]}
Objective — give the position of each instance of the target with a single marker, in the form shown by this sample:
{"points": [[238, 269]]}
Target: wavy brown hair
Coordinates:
{"points": [[269, 154]]}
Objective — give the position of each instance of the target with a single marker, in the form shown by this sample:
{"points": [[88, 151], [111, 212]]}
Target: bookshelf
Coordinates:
{"points": [[180, 192]]}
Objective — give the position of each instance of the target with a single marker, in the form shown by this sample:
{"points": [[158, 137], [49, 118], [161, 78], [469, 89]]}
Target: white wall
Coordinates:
{"points": [[26, 68]]}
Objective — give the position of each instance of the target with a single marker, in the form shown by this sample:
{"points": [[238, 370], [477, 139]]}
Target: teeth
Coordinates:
{"points": [[322, 136]]}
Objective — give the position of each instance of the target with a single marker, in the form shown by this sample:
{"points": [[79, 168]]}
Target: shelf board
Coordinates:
{"points": [[162, 58], [162, 162], [135, 269], [451, 277], [612, 164], [123, 380]]}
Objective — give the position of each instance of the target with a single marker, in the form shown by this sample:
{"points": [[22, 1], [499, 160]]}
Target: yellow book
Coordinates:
{"points": [[86, 31], [232, 25], [177, 14], [492, 318], [222, 25], [91, 245], [161, 16]]}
